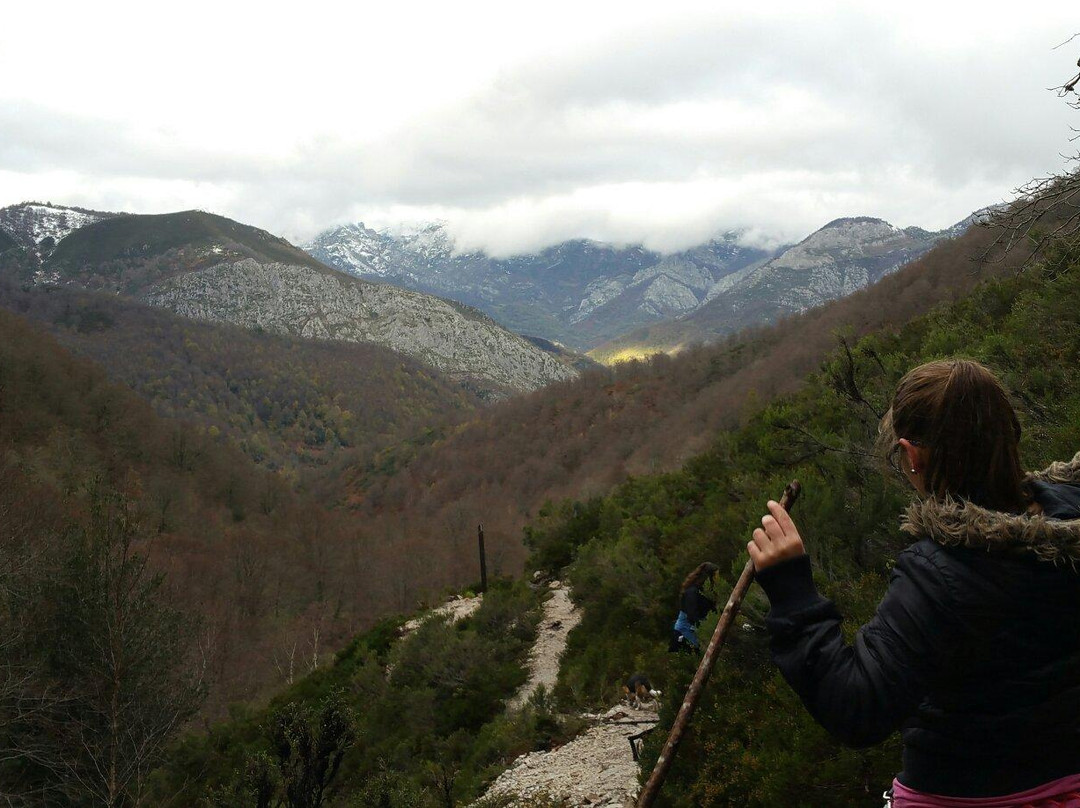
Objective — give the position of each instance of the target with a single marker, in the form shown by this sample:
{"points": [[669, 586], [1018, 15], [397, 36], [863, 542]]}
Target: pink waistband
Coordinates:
{"points": [[1063, 793]]}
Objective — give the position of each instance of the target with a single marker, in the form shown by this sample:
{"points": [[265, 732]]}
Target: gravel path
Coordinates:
{"points": [[456, 608], [559, 617], [596, 768]]}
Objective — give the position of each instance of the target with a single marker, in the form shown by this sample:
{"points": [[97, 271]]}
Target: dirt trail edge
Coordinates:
{"points": [[595, 769], [456, 608], [560, 616]]}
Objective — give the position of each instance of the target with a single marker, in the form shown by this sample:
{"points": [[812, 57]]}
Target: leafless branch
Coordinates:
{"points": [[1046, 209], [1066, 42]]}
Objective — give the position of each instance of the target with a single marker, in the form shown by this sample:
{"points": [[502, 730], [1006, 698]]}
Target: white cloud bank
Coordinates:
{"points": [[527, 124]]}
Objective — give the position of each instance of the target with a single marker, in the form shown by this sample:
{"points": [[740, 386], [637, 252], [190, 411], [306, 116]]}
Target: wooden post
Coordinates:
{"points": [[708, 661], [483, 559]]}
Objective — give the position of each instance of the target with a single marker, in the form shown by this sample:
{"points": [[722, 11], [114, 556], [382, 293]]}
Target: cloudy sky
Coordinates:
{"points": [[523, 124]]}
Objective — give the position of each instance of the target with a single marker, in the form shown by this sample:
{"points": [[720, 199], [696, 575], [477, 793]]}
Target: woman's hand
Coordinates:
{"points": [[776, 540]]}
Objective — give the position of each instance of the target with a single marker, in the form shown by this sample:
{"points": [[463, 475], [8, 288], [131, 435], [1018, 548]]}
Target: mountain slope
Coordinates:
{"points": [[209, 267], [288, 299], [7, 242], [842, 257], [166, 244], [252, 558], [578, 292], [289, 404]]}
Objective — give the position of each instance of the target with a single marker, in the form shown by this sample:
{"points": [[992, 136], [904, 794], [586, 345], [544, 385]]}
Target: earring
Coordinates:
{"points": [[914, 472]]}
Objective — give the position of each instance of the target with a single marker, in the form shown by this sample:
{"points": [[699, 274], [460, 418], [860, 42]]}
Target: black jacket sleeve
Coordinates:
{"points": [[696, 605], [862, 692]]}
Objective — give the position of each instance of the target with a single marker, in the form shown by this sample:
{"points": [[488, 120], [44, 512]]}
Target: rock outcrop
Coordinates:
{"points": [[305, 302]]}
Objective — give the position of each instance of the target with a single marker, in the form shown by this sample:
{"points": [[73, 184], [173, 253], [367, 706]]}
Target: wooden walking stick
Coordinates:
{"points": [[708, 661]]}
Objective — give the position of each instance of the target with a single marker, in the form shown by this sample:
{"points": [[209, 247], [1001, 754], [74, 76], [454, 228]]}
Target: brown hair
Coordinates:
{"points": [[706, 569], [958, 411]]}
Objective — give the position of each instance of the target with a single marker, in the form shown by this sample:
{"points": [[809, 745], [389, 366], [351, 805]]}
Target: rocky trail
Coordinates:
{"points": [[595, 769], [560, 616], [456, 608]]}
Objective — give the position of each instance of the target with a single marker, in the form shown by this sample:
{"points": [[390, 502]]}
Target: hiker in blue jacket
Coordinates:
{"points": [[974, 652], [693, 606]]}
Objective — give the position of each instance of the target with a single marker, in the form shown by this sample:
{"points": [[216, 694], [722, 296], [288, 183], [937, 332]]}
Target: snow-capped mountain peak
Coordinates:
{"points": [[353, 247]]}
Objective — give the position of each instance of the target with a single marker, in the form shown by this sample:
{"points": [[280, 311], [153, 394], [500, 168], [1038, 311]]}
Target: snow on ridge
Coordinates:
{"points": [[32, 223]]}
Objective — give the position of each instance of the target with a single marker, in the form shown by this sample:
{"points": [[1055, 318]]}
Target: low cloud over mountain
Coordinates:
{"points": [[618, 124]]}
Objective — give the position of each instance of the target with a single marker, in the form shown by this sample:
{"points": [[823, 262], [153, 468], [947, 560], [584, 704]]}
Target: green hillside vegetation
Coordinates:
{"points": [[288, 403], [752, 743], [127, 253], [422, 719]]}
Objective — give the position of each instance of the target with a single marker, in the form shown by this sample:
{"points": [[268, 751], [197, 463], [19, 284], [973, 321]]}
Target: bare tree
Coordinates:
{"points": [[1046, 209], [1063, 90], [103, 674]]}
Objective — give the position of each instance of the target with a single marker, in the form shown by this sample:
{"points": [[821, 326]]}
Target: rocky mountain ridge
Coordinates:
{"points": [[579, 292], [842, 257], [289, 299]]}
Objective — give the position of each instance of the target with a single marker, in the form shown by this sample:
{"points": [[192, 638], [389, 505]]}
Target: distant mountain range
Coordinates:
{"points": [[589, 295], [842, 257], [209, 267], [458, 311], [578, 293]]}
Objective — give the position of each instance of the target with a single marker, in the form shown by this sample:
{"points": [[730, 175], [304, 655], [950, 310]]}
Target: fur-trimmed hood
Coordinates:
{"points": [[953, 523]]}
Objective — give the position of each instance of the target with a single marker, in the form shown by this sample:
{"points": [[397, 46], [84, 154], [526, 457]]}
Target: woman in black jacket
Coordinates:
{"points": [[975, 650], [693, 607]]}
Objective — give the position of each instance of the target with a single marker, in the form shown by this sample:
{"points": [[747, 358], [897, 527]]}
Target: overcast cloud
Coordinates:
{"points": [[526, 125]]}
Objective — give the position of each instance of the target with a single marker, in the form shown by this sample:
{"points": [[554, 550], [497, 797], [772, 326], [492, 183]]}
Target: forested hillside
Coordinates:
{"points": [[752, 743], [580, 438], [274, 580], [288, 403], [7, 242]]}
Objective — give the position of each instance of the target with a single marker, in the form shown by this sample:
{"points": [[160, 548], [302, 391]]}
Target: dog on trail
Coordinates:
{"points": [[638, 689]]}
